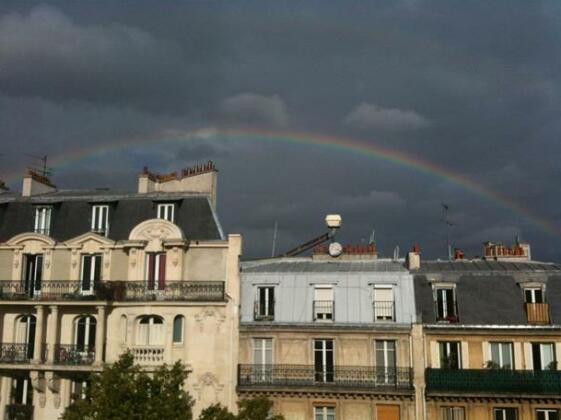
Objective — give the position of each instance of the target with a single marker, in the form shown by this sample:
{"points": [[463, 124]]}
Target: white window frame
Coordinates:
{"points": [[453, 413], [533, 291], [501, 362], [324, 315], [150, 331], [43, 219], [384, 314], [166, 211], [547, 412], [324, 412], [445, 313], [448, 352], [500, 413], [89, 321], [100, 224]]}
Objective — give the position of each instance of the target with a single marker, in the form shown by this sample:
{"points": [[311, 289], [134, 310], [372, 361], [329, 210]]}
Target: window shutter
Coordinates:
{"points": [[271, 301], [91, 336], [162, 272], [97, 269], [324, 293], [150, 271]]}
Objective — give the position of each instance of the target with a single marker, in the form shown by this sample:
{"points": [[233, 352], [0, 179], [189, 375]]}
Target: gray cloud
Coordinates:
{"points": [[251, 108], [371, 116]]}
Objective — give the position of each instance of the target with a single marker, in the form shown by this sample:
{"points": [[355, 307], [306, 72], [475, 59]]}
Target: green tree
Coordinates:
{"points": [[124, 391], [249, 409]]}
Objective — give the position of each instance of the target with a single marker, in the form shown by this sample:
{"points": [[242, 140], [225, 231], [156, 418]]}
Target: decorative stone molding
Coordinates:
{"points": [[208, 379], [205, 314], [30, 236], [155, 232], [53, 382]]}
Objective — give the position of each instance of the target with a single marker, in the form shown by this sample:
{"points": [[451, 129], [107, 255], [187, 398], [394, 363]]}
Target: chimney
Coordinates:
{"points": [[414, 258], [520, 251], [34, 183], [196, 179], [458, 254]]}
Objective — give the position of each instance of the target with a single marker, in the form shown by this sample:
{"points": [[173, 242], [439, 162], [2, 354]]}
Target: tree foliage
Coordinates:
{"points": [[249, 409], [124, 391]]}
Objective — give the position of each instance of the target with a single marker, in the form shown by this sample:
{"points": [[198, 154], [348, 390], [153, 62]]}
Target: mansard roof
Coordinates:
{"points": [[71, 215], [308, 265]]}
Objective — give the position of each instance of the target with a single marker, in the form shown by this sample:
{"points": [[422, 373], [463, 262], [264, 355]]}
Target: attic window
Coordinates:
{"points": [[534, 295], [100, 219], [43, 220], [166, 211]]}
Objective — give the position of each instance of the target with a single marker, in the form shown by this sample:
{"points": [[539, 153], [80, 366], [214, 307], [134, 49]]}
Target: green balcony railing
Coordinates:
{"points": [[502, 381]]}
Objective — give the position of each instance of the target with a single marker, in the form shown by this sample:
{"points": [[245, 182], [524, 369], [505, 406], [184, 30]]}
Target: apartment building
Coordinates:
{"points": [[88, 274], [328, 337], [492, 336]]}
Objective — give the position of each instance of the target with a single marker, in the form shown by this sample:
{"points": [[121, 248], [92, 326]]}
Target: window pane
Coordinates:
{"points": [[178, 329]]}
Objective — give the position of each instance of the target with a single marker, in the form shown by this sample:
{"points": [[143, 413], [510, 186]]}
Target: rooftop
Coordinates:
{"points": [[307, 265]]}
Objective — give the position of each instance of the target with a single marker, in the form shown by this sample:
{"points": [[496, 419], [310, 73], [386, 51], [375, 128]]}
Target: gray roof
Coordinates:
{"points": [[487, 292], [307, 265], [71, 214]]}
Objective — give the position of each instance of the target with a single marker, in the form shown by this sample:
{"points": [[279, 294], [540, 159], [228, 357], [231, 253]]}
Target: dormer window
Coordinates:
{"points": [[167, 212], [43, 220], [534, 295], [100, 219], [537, 309], [446, 306]]}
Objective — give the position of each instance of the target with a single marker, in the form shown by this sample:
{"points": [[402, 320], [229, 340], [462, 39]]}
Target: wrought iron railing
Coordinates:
{"points": [[264, 312], [195, 291], [324, 310], [73, 354], [15, 353], [278, 376], [19, 412], [383, 310], [494, 381]]}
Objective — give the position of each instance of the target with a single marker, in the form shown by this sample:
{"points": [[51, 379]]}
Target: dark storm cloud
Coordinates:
{"points": [[473, 87]]}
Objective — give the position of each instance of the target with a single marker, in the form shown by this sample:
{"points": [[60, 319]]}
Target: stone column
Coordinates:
{"points": [[100, 335], [52, 332], [5, 391], [40, 311]]}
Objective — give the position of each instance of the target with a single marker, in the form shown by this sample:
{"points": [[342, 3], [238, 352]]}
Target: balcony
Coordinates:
{"points": [[383, 310], [73, 354], [19, 412], [263, 313], [148, 355], [538, 313], [191, 291], [303, 376], [494, 381], [324, 310], [15, 353]]}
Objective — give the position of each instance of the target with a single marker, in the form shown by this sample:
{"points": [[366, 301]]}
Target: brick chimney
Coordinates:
{"points": [[458, 254], [414, 258], [520, 251], [196, 179], [34, 183]]}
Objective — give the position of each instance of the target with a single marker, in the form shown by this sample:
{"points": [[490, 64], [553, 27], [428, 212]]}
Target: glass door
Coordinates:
{"points": [[323, 360]]}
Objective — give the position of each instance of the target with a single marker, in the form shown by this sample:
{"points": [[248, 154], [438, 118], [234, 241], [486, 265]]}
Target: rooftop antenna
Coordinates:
{"points": [[39, 165], [396, 253], [275, 233], [444, 219], [372, 240]]}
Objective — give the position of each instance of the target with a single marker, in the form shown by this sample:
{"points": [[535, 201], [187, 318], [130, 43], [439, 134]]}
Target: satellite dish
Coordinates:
{"points": [[335, 249]]}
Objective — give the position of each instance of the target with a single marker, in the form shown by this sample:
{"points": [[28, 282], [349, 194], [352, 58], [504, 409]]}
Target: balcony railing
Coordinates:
{"points": [[363, 377], [15, 353], [73, 354], [148, 355], [324, 310], [383, 310], [19, 412], [264, 312], [494, 381], [538, 313], [193, 291]]}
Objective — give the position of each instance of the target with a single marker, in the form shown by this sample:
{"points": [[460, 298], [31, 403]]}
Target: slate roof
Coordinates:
{"points": [[71, 214], [487, 292], [307, 265]]}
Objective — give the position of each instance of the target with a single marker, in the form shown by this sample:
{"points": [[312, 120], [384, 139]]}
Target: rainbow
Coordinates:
{"points": [[346, 145]]}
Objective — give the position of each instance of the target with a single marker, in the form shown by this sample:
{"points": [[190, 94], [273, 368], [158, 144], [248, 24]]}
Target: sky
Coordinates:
{"points": [[105, 88]]}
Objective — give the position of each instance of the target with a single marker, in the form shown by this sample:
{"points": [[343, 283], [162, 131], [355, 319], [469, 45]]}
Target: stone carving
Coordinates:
{"points": [[208, 380], [206, 314]]}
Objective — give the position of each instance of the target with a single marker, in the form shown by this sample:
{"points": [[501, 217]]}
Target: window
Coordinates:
{"points": [[91, 273], [150, 331], [33, 274], [263, 358], [79, 389], [324, 413], [449, 354], [323, 360], [25, 334], [383, 303], [43, 220], [501, 355], [547, 414], [543, 356], [178, 329], [323, 303], [22, 391], [156, 271], [446, 305], [265, 304], [453, 413], [166, 212], [385, 361], [505, 414], [534, 295], [124, 328], [100, 219], [84, 334]]}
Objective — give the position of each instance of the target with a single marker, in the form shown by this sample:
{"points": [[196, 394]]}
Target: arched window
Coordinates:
{"points": [[25, 335], [84, 333], [150, 331], [178, 325]]}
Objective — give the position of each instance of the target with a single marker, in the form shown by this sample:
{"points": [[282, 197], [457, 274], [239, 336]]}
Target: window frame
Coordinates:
{"points": [[380, 314], [181, 319], [448, 352], [453, 414], [446, 316], [100, 224], [503, 413], [324, 315], [532, 292], [547, 412], [43, 218], [500, 345], [163, 211], [326, 411]]}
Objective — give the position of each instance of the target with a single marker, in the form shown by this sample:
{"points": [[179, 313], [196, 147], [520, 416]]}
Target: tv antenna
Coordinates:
{"points": [[275, 234], [447, 223], [372, 240], [39, 165]]}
